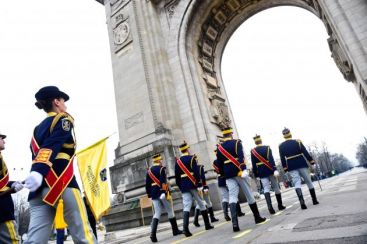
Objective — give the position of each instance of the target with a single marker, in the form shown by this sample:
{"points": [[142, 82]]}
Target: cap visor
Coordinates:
{"points": [[64, 95]]}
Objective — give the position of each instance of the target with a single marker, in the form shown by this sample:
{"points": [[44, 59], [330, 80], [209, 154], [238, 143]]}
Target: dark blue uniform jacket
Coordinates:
{"points": [[258, 168], [55, 135], [221, 179], [182, 181], [152, 189], [234, 147], [294, 155], [6, 202]]}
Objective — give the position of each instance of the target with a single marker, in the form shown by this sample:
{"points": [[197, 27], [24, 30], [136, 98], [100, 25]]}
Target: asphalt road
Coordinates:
{"points": [[341, 217]]}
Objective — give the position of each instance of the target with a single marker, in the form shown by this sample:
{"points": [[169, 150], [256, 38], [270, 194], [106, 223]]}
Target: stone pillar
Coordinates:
{"points": [[145, 99]]}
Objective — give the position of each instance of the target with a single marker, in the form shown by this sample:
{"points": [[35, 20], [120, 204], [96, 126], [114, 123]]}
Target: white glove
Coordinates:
{"points": [[33, 181], [200, 188], [17, 186], [244, 174], [276, 173], [163, 196], [206, 190]]}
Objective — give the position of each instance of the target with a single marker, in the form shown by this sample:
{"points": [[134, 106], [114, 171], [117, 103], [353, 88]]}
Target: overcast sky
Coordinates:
{"points": [[277, 70]]}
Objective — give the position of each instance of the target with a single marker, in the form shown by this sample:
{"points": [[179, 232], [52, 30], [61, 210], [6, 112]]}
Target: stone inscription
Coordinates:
{"points": [[134, 120]]}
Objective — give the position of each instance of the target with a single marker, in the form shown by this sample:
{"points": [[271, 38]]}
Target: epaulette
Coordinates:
{"points": [[59, 116], [299, 143]]}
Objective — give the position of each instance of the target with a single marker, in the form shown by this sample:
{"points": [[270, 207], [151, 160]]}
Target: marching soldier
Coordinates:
{"points": [[294, 157], [52, 176], [231, 162], [224, 192], [188, 180], [157, 188], [8, 226], [205, 194], [263, 166]]}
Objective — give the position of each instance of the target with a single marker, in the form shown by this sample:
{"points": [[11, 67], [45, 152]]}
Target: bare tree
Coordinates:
{"points": [[22, 215], [340, 162], [329, 163], [361, 154]]}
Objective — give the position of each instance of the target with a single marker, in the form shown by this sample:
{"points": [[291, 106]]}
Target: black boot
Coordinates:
{"points": [[225, 211], [153, 236], [268, 202], [186, 216], [233, 208], [206, 220], [300, 197], [175, 230], [255, 211], [239, 211], [196, 217], [211, 214], [313, 196], [279, 200]]}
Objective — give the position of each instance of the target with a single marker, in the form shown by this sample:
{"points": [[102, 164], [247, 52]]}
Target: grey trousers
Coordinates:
{"points": [[207, 202], [224, 193], [8, 232], [234, 184], [75, 215], [296, 177], [188, 197], [157, 206], [270, 180]]}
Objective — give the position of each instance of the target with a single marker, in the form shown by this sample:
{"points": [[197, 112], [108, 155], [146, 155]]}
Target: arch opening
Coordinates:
{"points": [[278, 72]]}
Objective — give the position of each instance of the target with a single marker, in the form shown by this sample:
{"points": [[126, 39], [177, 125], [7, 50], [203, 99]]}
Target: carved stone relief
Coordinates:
{"points": [[170, 7], [212, 28], [121, 30], [341, 60], [220, 113], [218, 108]]}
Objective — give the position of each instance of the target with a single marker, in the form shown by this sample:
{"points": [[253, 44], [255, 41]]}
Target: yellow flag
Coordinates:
{"points": [[92, 162]]}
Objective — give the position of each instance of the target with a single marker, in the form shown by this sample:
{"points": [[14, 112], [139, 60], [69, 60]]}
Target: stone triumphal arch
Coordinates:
{"points": [[166, 57]]}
